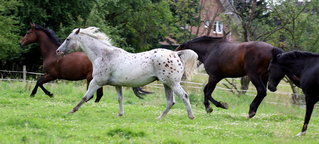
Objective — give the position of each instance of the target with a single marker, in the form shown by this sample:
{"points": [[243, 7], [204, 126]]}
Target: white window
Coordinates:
{"points": [[206, 23], [218, 27]]}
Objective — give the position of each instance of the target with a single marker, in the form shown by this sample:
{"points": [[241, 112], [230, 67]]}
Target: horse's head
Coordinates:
{"points": [[70, 44], [29, 37], [276, 73], [181, 47]]}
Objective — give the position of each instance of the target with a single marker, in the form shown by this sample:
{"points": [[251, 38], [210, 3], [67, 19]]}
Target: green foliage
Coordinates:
{"points": [[55, 14], [9, 27], [186, 15], [300, 26], [141, 23]]}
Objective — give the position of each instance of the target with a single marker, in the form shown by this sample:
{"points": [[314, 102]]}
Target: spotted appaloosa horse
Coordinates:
{"points": [[302, 68], [117, 67], [223, 59], [74, 66]]}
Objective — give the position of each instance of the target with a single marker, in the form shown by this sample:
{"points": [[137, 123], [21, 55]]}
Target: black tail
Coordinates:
{"points": [[139, 92]]}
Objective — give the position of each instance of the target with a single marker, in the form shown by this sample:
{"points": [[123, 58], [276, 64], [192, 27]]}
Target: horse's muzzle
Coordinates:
{"points": [[272, 88], [59, 53]]}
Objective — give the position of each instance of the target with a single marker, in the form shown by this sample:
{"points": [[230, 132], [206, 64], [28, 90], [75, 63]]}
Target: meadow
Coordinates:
{"points": [[45, 120]]}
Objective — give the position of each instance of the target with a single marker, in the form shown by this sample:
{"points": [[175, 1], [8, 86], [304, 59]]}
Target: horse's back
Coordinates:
{"points": [[233, 59], [257, 56]]}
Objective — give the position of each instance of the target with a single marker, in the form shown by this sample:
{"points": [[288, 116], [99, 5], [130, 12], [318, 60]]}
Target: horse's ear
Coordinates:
{"points": [[78, 31], [180, 47], [32, 25], [276, 53]]}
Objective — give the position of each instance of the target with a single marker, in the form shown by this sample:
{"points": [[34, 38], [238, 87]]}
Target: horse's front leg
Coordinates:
{"points": [[208, 90], [120, 100], [261, 93], [309, 108], [44, 79], [89, 93]]}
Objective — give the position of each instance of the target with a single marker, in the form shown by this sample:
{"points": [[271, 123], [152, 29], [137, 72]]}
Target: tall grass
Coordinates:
{"points": [[45, 120]]}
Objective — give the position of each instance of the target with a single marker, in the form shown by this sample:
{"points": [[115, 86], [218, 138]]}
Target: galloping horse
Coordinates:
{"points": [[223, 59], [75, 66], [117, 67], [302, 68]]}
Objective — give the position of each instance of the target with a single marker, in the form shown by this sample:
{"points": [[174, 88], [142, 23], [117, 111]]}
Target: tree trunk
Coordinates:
{"points": [[244, 84]]}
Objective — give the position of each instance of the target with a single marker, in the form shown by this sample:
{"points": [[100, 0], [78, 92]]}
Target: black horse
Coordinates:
{"points": [[303, 69], [223, 59]]}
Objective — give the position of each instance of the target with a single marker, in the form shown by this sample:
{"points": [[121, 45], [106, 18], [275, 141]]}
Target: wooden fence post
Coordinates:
{"points": [[24, 73]]}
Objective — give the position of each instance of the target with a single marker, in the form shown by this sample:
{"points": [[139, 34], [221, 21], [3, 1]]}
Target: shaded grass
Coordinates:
{"points": [[45, 120]]}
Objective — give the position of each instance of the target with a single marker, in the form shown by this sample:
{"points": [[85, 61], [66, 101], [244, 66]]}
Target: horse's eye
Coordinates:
{"points": [[67, 39]]}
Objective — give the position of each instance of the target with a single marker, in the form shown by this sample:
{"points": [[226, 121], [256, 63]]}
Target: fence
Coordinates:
{"points": [[189, 84], [24, 73]]}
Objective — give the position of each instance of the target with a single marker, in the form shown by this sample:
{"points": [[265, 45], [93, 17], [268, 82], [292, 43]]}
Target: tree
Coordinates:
{"points": [[9, 27], [141, 23]]}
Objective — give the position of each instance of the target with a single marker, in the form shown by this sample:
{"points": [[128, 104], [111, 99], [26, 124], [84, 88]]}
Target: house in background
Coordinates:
{"points": [[211, 22], [211, 19]]}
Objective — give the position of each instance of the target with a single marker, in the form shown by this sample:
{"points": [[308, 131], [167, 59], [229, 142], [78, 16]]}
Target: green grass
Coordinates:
{"points": [[45, 120]]}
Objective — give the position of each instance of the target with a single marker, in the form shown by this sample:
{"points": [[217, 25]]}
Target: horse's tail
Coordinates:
{"points": [[189, 59]]}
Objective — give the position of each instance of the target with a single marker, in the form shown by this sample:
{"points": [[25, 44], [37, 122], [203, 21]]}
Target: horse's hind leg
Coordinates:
{"points": [[89, 93], [44, 79], [99, 94], [309, 108], [208, 90], [178, 90], [120, 100], [170, 100]]}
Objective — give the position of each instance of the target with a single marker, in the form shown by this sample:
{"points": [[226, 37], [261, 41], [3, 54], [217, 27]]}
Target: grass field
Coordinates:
{"points": [[45, 120]]}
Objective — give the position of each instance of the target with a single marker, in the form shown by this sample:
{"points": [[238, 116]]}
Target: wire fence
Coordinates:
{"points": [[188, 84]]}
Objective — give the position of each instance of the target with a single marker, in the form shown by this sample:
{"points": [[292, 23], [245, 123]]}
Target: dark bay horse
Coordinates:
{"points": [[75, 66], [303, 69], [224, 59]]}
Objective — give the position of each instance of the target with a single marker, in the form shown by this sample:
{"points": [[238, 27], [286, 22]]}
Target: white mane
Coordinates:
{"points": [[95, 33]]}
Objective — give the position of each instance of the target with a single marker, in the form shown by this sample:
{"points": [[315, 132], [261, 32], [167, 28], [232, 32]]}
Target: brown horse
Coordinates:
{"points": [[75, 66], [224, 59]]}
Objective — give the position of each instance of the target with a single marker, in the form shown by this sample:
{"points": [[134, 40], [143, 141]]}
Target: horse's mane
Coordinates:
{"points": [[206, 38], [203, 39], [95, 33], [297, 54], [50, 33]]}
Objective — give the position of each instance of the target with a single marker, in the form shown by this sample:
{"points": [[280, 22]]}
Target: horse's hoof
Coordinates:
{"points": [[251, 114], [119, 115], [301, 134], [32, 95], [191, 117], [209, 110], [50, 95], [72, 111], [224, 105]]}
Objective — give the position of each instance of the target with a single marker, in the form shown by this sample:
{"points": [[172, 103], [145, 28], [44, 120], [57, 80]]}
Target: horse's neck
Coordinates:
{"points": [[97, 49], [47, 47], [295, 67], [201, 52]]}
